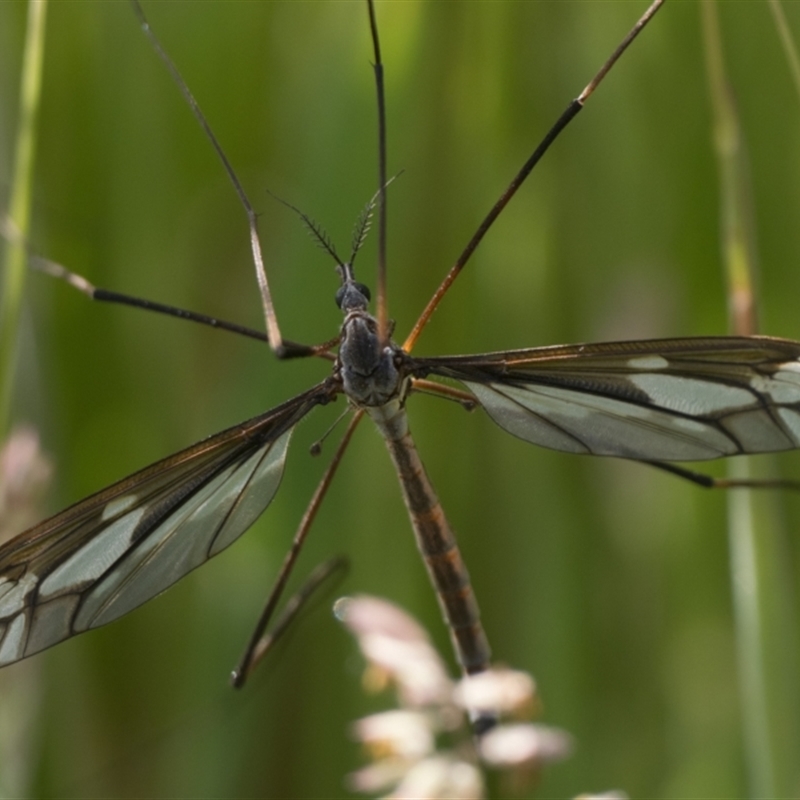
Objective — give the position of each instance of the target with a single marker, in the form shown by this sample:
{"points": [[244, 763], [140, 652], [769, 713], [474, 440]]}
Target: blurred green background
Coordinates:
{"points": [[607, 580]]}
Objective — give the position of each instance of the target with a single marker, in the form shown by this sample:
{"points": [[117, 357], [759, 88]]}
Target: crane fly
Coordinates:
{"points": [[656, 401]]}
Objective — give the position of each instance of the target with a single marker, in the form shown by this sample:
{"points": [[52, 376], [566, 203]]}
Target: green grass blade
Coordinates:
{"points": [[20, 203], [766, 644], [787, 42]]}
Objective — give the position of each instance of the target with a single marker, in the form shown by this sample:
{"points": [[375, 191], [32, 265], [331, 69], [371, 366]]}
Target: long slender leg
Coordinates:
{"points": [[710, 482], [382, 301], [255, 648], [35, 261], [569, 114], [465, 399], [280, 346], [320, 575]]}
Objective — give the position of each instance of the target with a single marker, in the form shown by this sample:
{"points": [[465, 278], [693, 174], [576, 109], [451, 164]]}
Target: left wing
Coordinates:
{"points": [[113, 551], [655, 400]]}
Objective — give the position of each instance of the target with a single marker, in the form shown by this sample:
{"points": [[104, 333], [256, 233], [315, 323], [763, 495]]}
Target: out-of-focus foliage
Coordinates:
{"points": [[606, 580]]}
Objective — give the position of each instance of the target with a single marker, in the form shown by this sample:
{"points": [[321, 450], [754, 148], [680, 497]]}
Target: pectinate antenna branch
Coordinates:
{"points": [[317, 232], [364, 221]]}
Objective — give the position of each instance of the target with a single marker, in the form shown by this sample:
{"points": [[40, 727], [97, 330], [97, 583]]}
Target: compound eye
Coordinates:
{"points": [[364, 290], [339, 296], [352, 295]]}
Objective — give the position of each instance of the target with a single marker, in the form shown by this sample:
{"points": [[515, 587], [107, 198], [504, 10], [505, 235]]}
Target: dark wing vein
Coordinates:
{"points": [[113, 551], [664, 399]]}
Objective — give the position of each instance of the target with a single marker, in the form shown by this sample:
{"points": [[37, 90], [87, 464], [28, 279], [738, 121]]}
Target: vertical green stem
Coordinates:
{"points": [[736, 227], [787, 42], [17, 711], [766, 638], [20, 202]]}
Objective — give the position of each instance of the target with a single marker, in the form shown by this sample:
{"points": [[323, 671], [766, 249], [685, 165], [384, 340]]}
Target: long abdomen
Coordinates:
{"points": [[436, 541]]}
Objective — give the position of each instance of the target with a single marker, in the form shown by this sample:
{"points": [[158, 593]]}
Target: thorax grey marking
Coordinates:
{"points": [[371, 375]]}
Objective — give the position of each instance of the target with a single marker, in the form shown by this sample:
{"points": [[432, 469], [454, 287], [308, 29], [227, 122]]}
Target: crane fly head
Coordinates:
{"points": [[351, 295]]}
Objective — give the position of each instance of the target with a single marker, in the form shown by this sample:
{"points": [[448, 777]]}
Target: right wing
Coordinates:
{"points": [[653, 400]]}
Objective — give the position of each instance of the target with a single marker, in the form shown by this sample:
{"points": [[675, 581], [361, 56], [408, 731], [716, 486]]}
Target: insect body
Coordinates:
{"points": [[657, 400], [677, 399]]}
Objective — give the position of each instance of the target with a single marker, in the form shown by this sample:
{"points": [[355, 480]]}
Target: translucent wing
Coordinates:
{"points": [[658, 400], [118, 548]]}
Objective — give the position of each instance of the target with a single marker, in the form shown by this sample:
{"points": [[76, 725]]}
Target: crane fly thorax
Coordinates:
{"points": [[368, 370]]}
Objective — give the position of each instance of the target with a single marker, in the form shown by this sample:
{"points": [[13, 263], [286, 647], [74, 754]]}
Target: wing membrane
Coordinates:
{"points": [[113, 551], [660, 400]]}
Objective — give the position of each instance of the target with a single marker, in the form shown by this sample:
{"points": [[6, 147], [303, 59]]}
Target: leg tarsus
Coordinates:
{"points": [[710, 482]]}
